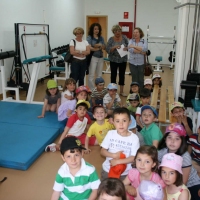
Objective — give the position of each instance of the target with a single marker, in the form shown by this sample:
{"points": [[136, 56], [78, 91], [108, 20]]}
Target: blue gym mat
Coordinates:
{"points": [[23, 136]]}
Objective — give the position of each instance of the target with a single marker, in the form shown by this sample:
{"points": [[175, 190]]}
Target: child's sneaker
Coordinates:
{"points": [[51, 147]]}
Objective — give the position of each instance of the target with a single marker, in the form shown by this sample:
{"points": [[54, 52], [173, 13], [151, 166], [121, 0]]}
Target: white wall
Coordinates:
{"points": [[161, 18], [62, 16], [114, 9], [158, 14]]}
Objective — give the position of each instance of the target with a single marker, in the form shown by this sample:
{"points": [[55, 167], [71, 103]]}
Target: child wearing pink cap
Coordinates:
{"points": [[174, 142], [171, 173]]}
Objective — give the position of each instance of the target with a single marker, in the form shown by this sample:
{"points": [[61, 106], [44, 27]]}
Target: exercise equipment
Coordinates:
{"points": [[172, 55], [5, 86], [158, 67], [31, 40], [163, 40], [57, 70], [23, 137]]}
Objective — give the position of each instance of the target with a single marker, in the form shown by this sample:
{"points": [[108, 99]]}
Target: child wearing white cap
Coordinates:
{"points": [[148, 84], [171, 173], [112, 99], [156, 79]]}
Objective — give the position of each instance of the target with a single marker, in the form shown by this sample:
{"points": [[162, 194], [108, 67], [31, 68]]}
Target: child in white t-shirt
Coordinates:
{"points": [[119, 146], [112, 99]]}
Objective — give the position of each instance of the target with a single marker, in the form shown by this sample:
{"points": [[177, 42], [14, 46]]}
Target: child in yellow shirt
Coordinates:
{"points": [[99, 128]]}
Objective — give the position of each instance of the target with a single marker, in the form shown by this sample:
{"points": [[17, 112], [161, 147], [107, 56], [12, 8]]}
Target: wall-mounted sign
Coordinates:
{"points": [[125, 15]]}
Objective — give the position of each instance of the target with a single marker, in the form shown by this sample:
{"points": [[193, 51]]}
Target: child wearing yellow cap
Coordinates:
{"points": [[77, 125], [52, 98]]}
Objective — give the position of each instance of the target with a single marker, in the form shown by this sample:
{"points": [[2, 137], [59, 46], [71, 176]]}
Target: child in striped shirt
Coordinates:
{"points": [[194, 150], [98, 92], [76, 179]]}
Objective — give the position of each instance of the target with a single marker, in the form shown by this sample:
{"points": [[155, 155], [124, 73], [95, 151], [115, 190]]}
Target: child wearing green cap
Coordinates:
{"points": [[52, 98], [178, 113]]}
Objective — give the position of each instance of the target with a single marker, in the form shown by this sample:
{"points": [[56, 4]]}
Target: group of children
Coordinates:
{"points": [[122, 140]]}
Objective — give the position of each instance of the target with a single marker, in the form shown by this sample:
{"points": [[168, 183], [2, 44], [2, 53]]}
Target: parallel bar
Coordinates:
{"points": [[170, 100], [155, 96], [162, 109]]}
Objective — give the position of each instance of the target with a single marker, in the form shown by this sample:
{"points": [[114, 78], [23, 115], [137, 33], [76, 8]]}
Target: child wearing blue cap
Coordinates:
{"points": [[112, 99], [98, 92], [151, 132]]}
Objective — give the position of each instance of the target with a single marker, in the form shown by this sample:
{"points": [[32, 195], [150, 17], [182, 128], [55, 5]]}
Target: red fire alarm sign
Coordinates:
{"points": [[125, 15]]}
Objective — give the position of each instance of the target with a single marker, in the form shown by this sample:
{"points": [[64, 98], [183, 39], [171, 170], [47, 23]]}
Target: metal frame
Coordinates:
{"points": [[160, 37]]}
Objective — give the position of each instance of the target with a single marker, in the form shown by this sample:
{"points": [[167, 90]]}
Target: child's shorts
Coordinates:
{"points": [[82, 137]]}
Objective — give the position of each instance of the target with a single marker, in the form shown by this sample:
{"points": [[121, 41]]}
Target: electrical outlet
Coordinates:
{"points": [[34, 43]]}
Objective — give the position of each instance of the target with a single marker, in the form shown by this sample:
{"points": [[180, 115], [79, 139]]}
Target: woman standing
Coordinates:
{"points": [[137, 49], [116, 61], [79, 50], [96, 42]]}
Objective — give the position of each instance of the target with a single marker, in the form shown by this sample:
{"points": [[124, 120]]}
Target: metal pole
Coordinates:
{"points": [[193, 37], [196, 42], [185, 4]]}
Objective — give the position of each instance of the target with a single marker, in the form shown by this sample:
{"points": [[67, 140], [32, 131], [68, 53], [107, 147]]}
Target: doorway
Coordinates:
{"points": [[103, 21]]}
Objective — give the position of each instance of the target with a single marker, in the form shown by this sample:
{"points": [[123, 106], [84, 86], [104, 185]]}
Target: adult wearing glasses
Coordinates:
{"points": [[137, 49], [79, 50], [116, 61]]}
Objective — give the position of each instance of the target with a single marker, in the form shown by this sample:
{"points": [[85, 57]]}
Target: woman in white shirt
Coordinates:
{"points": [[79, 49]]}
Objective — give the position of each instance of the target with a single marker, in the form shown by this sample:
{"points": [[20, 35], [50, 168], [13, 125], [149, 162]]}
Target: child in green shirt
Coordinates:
{"points": [[151, 132]]}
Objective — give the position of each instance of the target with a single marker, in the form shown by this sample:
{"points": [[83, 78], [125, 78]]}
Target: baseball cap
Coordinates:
{"points": [[150, 190], [112, 86], [175, 105], [83, 101], [173, 161], [135, 83], [148, 81], [176, 128], [97, 106], [134, 97], [70, 142], [82, 88], [51, 84], [156, 76], [133, 123], [99, 80], [151, 108]]}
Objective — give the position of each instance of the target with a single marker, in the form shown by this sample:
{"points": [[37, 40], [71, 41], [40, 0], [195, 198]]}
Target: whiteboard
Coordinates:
{"points": [[34, 39]]}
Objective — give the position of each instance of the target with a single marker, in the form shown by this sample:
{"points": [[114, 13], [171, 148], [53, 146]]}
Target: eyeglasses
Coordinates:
{"points": [[119, 30]]}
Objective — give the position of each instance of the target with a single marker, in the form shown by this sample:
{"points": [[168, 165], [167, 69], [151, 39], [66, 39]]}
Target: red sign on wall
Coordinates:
{"points": [[125, 15]]}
